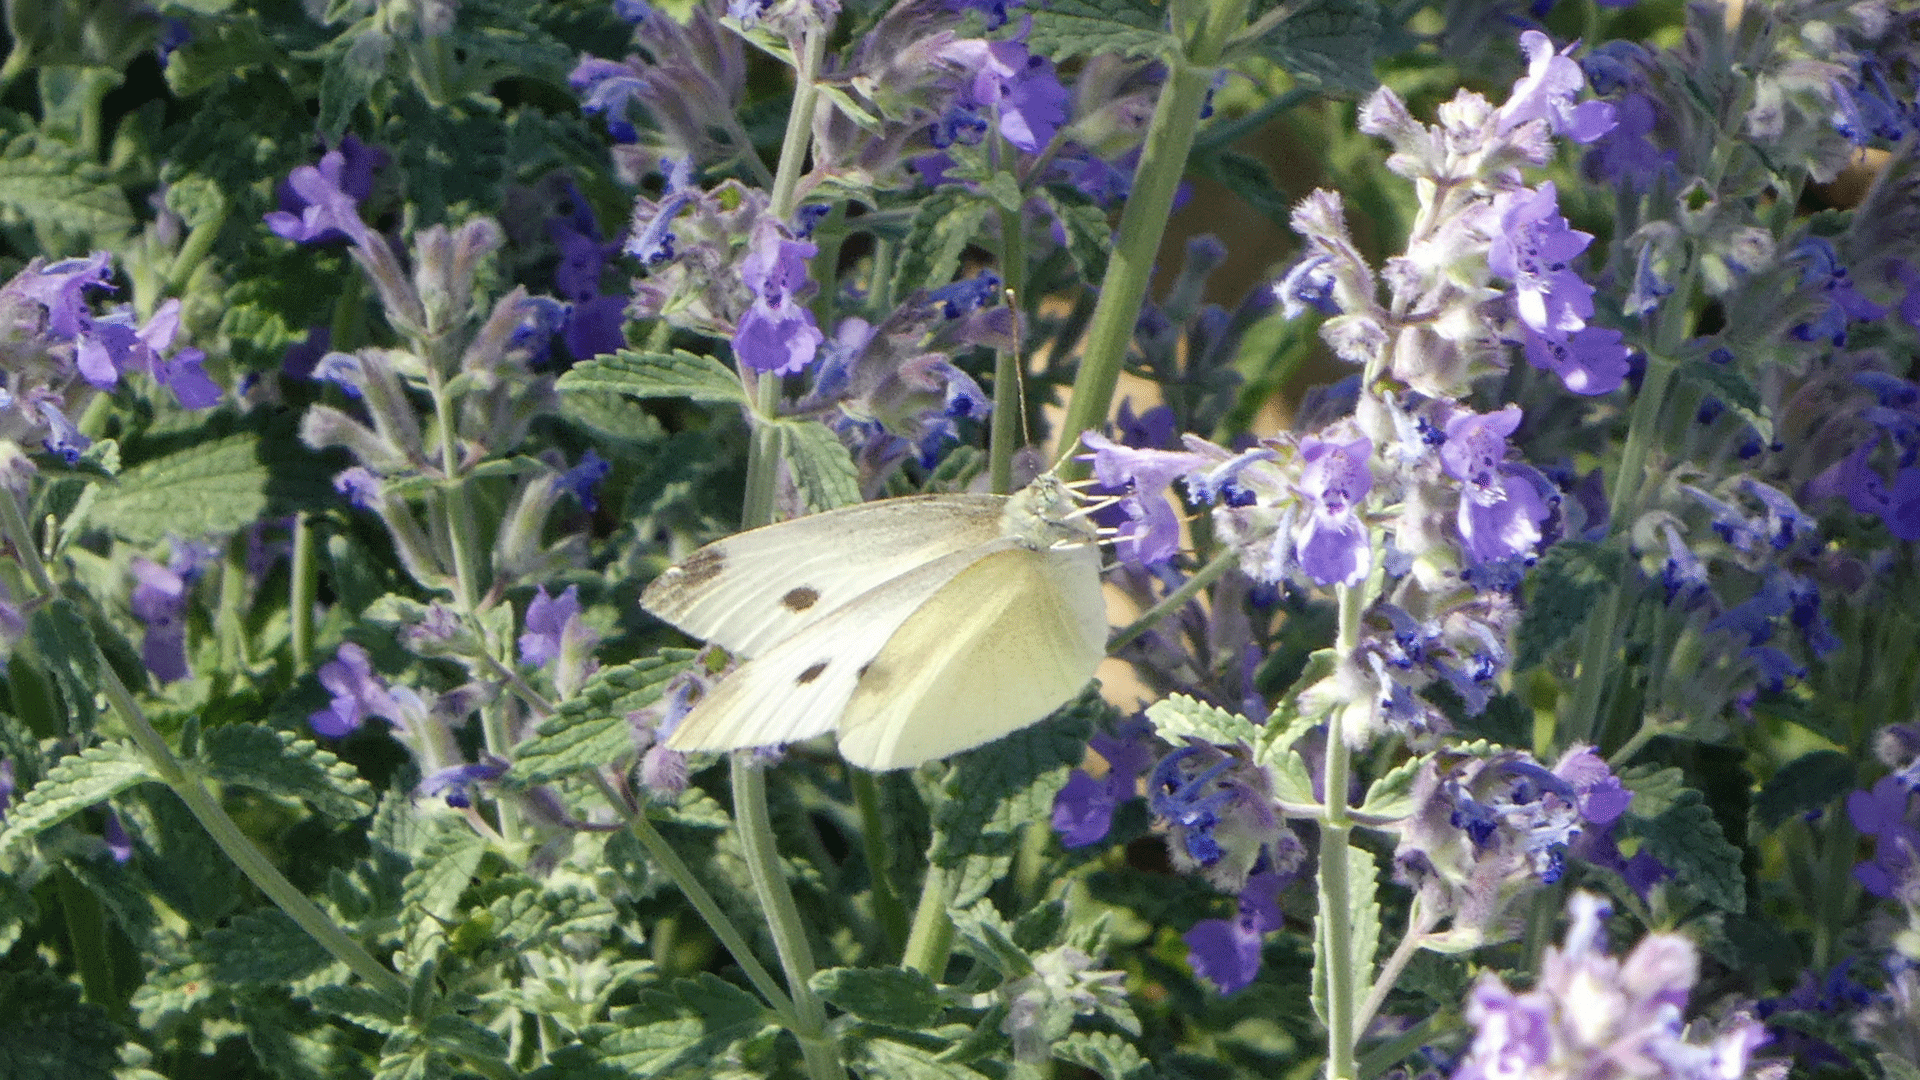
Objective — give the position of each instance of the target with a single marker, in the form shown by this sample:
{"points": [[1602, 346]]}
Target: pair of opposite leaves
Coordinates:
{"points": [[913, 628]]}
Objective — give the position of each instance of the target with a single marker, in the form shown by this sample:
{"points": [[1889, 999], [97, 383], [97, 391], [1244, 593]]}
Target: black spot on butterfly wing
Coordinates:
{"points": [[800, 599], [701, 567], [811, 673]]}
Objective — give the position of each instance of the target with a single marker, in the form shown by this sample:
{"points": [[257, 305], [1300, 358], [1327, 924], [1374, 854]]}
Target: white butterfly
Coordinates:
{"points": [[914, 628]]}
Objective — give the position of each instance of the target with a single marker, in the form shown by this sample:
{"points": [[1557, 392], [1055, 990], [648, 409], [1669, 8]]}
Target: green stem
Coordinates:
{"points": [[1336, 838], [20, 536], [703, 902], [1174, 600], [87, 938], [1009, 404], [193, 249], [227, 835], [302, 590], [1163, 159], [930, 941], [887, 907], [799, 134], [1418, 923], [783, 917]]}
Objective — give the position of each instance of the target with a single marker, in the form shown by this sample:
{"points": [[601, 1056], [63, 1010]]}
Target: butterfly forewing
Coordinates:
{"points": [[751, 591], [1008, 640], [799, 687]]}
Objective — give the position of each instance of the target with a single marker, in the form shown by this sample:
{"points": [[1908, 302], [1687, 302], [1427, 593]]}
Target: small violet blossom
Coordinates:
{"points": [[1332, 542], [776, 335], [357, 694], [1501, 510]]}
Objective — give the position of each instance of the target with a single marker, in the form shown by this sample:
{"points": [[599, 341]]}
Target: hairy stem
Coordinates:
{"points": [[1336, 838]]}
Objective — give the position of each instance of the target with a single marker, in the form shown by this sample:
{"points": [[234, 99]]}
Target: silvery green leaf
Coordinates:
{"points": [[281, 763], [821, 466], [591, 728], [898, 997], [1107, 1054], [1177, 717], [678, 374], [1391, 796], [216, 487], [1069, 28], [74, 783], [1363, 930]]}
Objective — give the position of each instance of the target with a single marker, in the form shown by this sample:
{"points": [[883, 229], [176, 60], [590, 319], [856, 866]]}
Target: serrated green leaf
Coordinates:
{"points": [[65, 641], [884, 1059], [16, 911], [991, 793], [591, 728], [943, 226], [282, 763], [990, 936], [49, 1034], [1249, 178], [1363, 928], [692, 1022], [1655, 790], [1178, 717], [900, 997], [433, 887], [678, 374], [1897, 1067], [361, 1005], [1331, 41], [612, 416], [1562, 591], [1088, 233], [1391, 796], [1069, 28], [1732, 388], [213, 487], [822, 468], [1687, 840], [1113, 1057], [61, 194], [1806, 783], [263, 948], [353, 68], [73, 784]]}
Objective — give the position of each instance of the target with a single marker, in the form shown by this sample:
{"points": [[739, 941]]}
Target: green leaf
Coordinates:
{"points": [[350, 75], [1069, 28], [1687, 840], [1330, 41], [1249, 178], [1732, 388], [264, 948], [900, 997], [361, 1005], [212, 487], [691, 1023], [991, 793], [1113, 1057], [590, 729], [49, 1034], [16, 911], [1655, 790], [612, 416], [433, 887], [822, 468], [1897, 1067], [884, 1059], [1391, 796], [64, 639], [1806, 783], [282, 763], [678, 374], [942, 228], [1363, 928], [1561, 592], [1088, 233], [74, 783], [64, 196], [1178, 717]]}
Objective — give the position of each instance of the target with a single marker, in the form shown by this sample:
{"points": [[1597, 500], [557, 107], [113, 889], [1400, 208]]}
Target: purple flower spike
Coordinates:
{"points": [[61, 288], [1021, 87], [776, 335], [1151, 532], [1533, 248], [1546, 93], [584, 477], [357, 694], [458, 783], [1083, 810], [1591, 361], [160, 601], [1332, 542], [1501, 510], [1226, 952]]}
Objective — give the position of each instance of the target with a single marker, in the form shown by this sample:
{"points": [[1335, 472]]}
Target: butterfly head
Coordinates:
{"points": [[1048, 513]]}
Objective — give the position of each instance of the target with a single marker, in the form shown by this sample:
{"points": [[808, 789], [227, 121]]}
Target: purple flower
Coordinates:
{"points": [[459, 782], [1332, 542], [110, 348], [62, 438], [1546, 93], [1021, 88], [1501, 510], [1841, 303], [776, 335], [547, 621], [7, 786], [1083, 809], [1218, 815], [1151, 532], [321, 203], [160, 601], [1625, 157], [1226, 952], [1590, 361], [1683, 574], [357, 694], [584, 477], [1533, 248], [61, 288], [361, 487], [606, 87], [1903, 504], [1309, 284]]}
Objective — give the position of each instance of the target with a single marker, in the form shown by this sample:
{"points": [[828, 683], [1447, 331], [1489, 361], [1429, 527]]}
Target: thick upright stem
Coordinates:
{"points": [[1144, 221], [301, 592], [1336, 837]]}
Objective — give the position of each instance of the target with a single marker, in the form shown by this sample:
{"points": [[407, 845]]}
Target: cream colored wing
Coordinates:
{"points": [[751, 591], [799, 687], [1010, 639]]}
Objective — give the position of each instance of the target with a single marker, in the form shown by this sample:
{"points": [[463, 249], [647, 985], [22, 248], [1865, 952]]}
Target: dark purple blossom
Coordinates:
{"points": [[1625, 157], [1083, 809], [1533, 248], [1841, 303], [1226, 952], [1888, 813], [160, 602], [582, 479], [357, 694], [321, 203], [1021, 89], [458, 783], [606, 87]]}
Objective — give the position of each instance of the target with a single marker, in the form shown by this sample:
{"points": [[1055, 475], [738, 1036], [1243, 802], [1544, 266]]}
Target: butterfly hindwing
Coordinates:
{"points": [[750, 591], [800, 686], [1005, 642]]}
